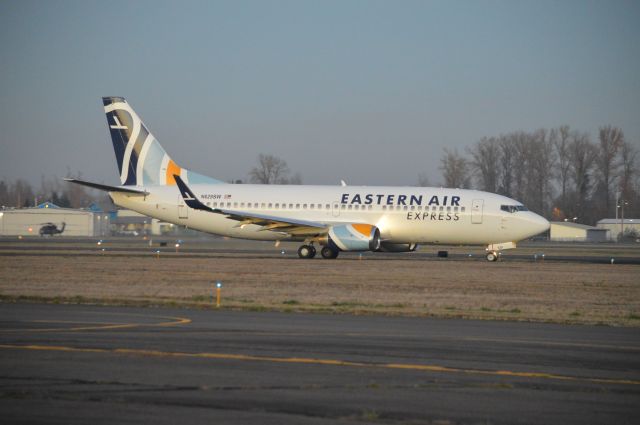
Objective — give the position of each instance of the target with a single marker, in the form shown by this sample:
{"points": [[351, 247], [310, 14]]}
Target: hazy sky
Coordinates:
{"points": [[366, 91]]}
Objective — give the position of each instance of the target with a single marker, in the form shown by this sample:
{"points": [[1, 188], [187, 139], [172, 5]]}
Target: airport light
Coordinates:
{"points": [[218, 294]]}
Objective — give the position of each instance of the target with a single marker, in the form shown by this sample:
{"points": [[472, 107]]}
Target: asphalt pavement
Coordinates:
{"points": [[104, 365]]}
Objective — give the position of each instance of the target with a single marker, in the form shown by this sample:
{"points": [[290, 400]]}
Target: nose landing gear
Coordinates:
{"points": [[492, 256]]}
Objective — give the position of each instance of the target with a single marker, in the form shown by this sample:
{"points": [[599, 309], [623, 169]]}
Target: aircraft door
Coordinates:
{"points": [[183, 210], [335, 209], [476, 211]]}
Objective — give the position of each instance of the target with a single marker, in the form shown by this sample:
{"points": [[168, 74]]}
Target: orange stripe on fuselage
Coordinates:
{"points": [[172, 168], [365, 229]]}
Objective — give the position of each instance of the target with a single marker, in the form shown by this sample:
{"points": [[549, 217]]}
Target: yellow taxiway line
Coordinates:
{"points": [[326, 362]]}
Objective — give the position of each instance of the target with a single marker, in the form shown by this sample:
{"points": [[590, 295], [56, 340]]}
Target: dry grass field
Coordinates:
{"points": [[513, 290]]}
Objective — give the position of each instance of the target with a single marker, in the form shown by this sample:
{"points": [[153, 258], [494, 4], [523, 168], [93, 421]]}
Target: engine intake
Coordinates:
{"points": [[354, 237]]}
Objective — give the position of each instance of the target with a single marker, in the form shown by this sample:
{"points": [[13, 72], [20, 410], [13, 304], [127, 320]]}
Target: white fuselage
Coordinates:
{"points": [[402, 214]]}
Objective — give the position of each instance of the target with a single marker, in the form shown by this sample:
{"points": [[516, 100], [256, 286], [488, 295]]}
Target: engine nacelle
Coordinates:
{"points": [[398, 247], [354, 237]]}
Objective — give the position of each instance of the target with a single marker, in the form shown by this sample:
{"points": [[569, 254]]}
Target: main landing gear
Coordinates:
{"points": [[309, 251], [328, 253]]}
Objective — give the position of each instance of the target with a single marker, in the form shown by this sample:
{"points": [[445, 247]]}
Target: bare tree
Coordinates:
{"points": [[611, 140], [485, 156], [560, 140], [541, 165], [272, 170], [628, 172], [583, 155], [508, 167], [423, 180], [455, 169]]}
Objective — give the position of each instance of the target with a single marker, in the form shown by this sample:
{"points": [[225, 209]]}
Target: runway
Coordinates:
{"points": [[81, 364]]}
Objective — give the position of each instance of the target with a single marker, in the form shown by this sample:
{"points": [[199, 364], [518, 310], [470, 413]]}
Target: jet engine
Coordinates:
{"points": [[397, 247], [354, 237]]}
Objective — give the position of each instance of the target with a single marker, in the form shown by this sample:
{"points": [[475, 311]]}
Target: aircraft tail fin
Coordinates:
{"points": [[140, 157]]}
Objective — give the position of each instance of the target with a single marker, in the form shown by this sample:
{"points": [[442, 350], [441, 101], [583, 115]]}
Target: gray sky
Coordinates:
{"points": [[366, 91]]}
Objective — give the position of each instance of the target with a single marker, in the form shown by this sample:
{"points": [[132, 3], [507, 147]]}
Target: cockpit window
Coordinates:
{"points": [[513, 208]]}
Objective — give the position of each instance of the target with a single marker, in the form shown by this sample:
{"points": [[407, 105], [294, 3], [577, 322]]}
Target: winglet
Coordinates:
{"points": [[189, 197]]}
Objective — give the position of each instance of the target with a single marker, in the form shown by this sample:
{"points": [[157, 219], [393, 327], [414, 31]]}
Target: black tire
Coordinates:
{"points": [[328, 253], [313, 251], [492, 256], [306, 251]]}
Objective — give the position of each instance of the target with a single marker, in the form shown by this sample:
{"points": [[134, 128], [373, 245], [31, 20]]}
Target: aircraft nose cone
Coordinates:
{"points": [[538, 224]]}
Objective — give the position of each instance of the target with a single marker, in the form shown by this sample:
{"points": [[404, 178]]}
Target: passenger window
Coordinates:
{"points": [[350, 207], [462, 209], [319, 206], [270, 205], [412, 208], [215, 204], [262, 205], [370, 207], [441, 209], [328, 206], [235, 205], [405, 208], [297, 206], [290, 206], [448, 209], [312, 206], [384, 208], [228, 204], [343, 206]]}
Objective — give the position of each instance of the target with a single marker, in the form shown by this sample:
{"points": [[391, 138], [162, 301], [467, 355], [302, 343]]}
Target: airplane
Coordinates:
{"points": [[51, 229], [335, 218]]}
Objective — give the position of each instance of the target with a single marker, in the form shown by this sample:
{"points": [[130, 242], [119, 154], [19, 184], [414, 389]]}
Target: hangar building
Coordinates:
{"points": [[616, 225], [29, 221], [568, 231]]}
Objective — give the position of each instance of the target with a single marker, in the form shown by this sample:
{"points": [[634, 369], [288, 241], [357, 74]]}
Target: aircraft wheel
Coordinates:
{"points": [[492, 256], [328, 253], [306, 252]]}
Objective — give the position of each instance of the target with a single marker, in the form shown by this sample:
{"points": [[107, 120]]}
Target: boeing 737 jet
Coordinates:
{"points": [[335, 218]]}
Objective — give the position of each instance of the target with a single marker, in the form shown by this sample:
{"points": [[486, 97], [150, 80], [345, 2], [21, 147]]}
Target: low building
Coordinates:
{"points": [[616, 226], [130, 223], [49, 219], [568, 231]]}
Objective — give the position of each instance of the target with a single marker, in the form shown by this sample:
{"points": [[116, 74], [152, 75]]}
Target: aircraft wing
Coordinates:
{"points": [[107, 188], [279, 224]]}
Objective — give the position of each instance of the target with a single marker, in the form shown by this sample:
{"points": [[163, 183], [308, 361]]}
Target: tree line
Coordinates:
{"points": [[559, 173], [21, 194]]}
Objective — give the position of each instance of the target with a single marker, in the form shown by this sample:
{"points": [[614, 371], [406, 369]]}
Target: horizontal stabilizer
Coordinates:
{"points": [[107, 188]]}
